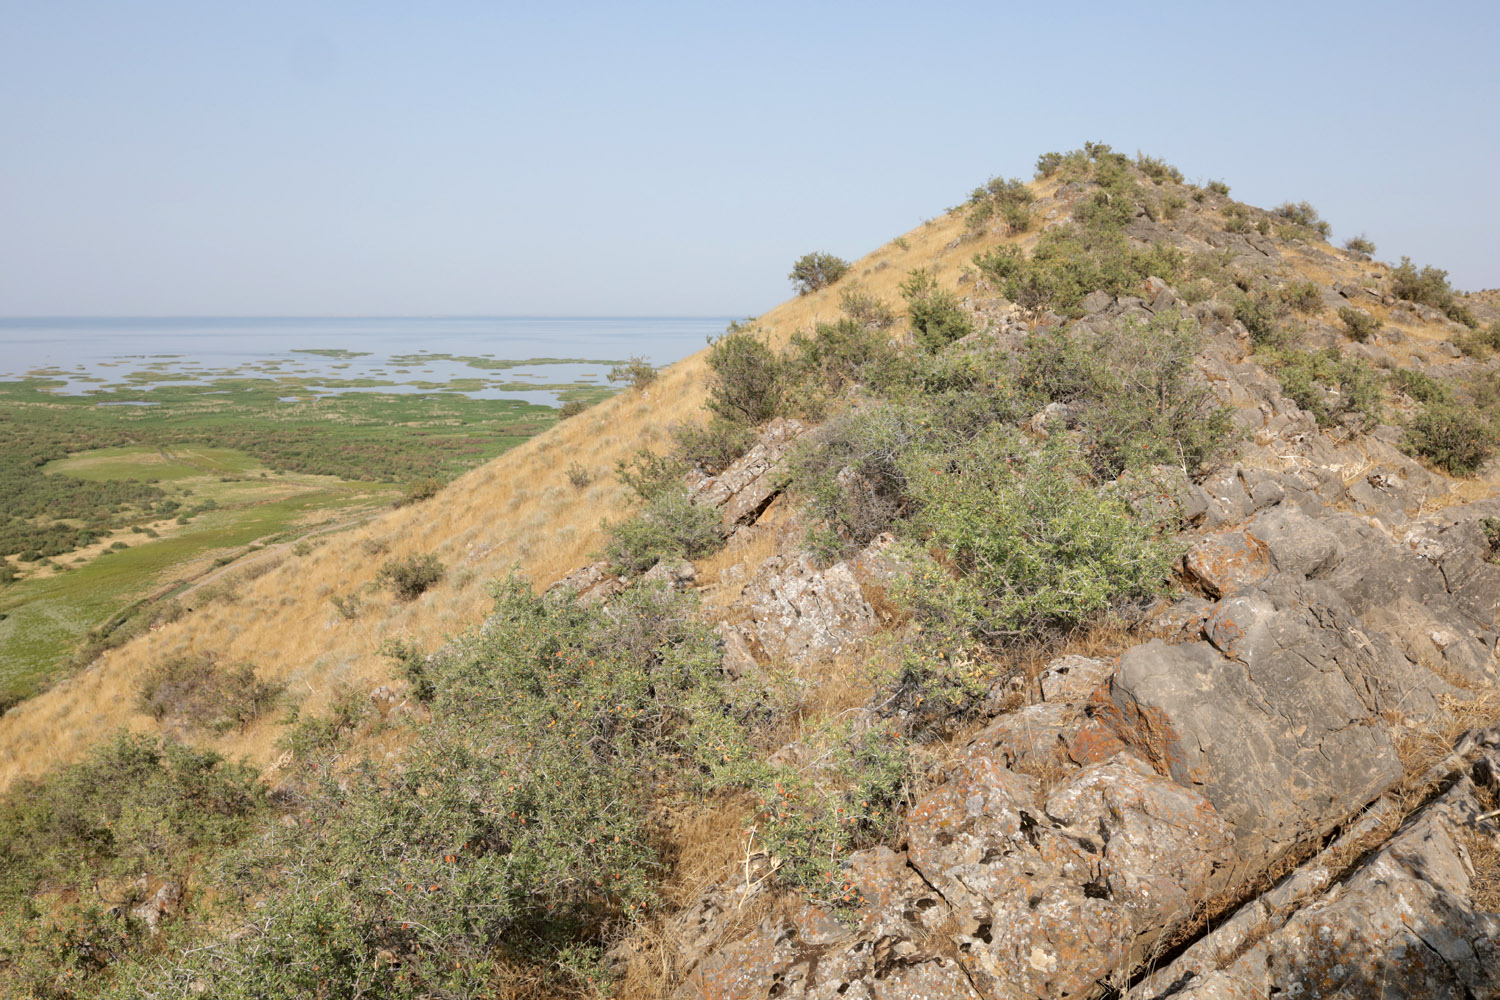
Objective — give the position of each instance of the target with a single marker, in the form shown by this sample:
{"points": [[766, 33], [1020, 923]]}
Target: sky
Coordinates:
{"points": [[369, 158]]}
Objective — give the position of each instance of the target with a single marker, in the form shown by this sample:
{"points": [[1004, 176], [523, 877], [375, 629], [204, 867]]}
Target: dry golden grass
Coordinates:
{"points": [[517, 510], [1483, 842], [704, 844]]}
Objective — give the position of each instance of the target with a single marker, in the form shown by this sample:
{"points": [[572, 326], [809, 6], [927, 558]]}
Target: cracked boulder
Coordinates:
{"points": [[752, 481], [1404, 924], [1050, 899], [893, 948], [791, 611], [1279, 741]]}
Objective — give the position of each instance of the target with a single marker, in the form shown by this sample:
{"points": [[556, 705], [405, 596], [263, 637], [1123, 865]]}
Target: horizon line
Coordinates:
{"points": [[175, 316]]}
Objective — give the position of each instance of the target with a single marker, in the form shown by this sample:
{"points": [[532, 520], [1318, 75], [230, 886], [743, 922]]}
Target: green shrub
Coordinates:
{"points": [[817, 270], [1455, 438], [712, 446], [1218, 187], [810, 819], [1031, 545], [1006, 198], [418, 490], [571, 408], [1167, 207], [1360, 325], [349, 607], [1480, 342], [1420, 386], [1150, 408], [1491, 528], [1302, 215], [848, 476], [1305, 297], [1429, 287], [1131, 392], [637, 372], [412, 665], [411, 577], [1329, 385], [669, 527], [1261, 314], [824, 364], [1237, 218], [1360, 244], [745, 382], [937, 319], [1069, 262], [133, 806], [865, 309], [1048, 164], [194, 692], [578, 476], [1159, 171], [650, 475], [517, 833]]}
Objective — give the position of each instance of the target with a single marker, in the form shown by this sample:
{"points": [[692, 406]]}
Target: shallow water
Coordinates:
{"points": [[389, 354]]}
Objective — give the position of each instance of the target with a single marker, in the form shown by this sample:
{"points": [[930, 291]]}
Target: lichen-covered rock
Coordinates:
{"points": [[892, 950], [751, 482], [1026, 924], [795, 612], [1404, 925], [1281, 743], [1073, 678], [1164, 846], [1228, 562]]}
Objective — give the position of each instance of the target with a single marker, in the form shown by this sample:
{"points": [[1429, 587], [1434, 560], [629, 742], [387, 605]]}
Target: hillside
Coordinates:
{"points": [[1092, 592]]}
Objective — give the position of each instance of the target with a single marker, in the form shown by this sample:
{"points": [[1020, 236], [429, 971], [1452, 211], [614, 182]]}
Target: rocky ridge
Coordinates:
{"points": [[1339, 598]]}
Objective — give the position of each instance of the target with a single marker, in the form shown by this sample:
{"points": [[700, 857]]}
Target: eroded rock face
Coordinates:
{"points": [[1404, 924], [1281, 745], [895, 949], [592, 583], [752, 481], [1050, 898], [794, 612]]}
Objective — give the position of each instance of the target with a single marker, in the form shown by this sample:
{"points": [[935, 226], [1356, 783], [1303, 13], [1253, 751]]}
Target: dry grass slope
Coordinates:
{"points": [[519, 509]]}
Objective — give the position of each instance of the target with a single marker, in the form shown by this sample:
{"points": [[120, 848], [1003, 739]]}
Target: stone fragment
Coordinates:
{"points": [[1072, 678], [796, 612], [1227, 562], [751, 482]]}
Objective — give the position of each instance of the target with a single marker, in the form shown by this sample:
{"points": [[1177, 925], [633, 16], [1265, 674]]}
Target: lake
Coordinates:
{"points": [[473, 355]]}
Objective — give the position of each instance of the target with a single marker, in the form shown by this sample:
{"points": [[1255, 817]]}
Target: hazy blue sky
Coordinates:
{"points": [[614, 158]]}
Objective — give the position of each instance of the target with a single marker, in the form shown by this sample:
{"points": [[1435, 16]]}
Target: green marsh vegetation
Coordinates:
{"points": [[106, 497]]}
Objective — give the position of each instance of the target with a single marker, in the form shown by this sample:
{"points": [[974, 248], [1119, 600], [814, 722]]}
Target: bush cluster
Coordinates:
{"points": [[1303, 216], [670, 526], [1335, 389], [638, 373], [937, 319], [1429, 287], [1009, 199], [93, 837], [1456, 438], [192, 691], [411, 577], [516, 833], [817, 270], [1360, 325]]}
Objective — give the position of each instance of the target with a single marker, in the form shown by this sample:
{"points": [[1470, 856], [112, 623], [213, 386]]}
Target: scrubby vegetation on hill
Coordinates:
{"points": [[1002, 452]]}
